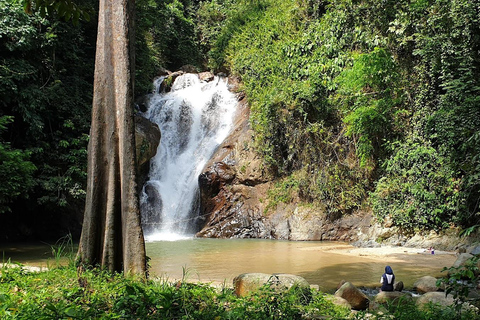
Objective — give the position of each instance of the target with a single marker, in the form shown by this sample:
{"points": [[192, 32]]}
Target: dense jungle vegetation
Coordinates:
{"points": [[355, 104]]}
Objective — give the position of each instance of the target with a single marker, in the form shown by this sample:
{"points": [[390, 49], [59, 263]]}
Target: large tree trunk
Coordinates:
{"points": [[112, 236]]}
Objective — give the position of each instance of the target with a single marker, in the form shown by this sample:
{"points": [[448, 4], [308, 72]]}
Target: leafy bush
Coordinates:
{"points": [[288, 73], [62, 293], [16, 172], [419, 189], [46, 89], [369, 97], [461, 282], [375, 75]]}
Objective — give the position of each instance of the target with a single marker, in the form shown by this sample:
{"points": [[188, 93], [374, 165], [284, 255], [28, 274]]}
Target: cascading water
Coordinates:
{"points": [[194, 118]]}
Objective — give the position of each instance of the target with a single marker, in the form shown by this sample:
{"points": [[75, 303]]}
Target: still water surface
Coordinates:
{"points": [[220, 260]]}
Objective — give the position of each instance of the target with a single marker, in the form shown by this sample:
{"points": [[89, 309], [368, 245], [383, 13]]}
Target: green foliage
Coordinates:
{"points": [[46, 77], [461, 281], [283, 191], [345, 96], [447, 47], [406, 309], [397, 82], [368, 95], [419, 189], [45, 87], [92, 294], [16, 171], [288, 65], [165, 38], [68, 10], [62, 293]]}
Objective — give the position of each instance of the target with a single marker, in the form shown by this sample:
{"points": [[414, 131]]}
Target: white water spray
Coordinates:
{"points": [[194, 118]]}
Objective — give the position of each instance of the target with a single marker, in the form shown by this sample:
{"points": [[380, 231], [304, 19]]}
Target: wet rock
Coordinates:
{"points": [[341, 283], [462, 259], [147, 139], [357, 299], [151, 209], [426, 284], [249, 282], [206, 76], [188, 68], [141, 103], [213, 178], [398, 286], [231, 202]]}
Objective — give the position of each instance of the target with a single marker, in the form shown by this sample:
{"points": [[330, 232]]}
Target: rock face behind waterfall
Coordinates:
{"points": [[147, 138], [232, 186], [233, 192]]}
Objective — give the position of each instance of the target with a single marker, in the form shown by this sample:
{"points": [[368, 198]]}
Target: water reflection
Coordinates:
{"points": [[34, 254]]}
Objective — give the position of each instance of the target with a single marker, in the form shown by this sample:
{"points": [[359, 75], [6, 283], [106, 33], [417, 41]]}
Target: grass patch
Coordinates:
{"points": [[61, 293]]}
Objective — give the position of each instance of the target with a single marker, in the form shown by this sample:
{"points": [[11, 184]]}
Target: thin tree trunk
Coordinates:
{"points": [[112, 236]]}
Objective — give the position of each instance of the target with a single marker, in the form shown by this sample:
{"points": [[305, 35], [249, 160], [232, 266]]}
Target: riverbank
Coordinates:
{"points": [[394, 253]]}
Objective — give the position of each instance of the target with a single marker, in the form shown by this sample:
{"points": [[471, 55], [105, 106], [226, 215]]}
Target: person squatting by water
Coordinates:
{"points": [[387, 280]]}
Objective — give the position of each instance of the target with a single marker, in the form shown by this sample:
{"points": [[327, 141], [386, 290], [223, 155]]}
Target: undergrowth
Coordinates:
{"points": [[360, 102], [61, 293]]}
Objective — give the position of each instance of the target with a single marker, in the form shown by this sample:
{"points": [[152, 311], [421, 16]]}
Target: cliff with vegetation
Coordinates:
{"points": [[358, 106], [354, 112]]}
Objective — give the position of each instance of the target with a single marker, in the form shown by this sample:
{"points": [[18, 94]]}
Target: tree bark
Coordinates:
{"points": [[112, 236]]}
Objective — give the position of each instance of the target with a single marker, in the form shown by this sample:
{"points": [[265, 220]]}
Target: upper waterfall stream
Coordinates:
{"points": [[194, 118]]}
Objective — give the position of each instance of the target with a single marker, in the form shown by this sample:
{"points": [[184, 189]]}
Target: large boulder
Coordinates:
{"points": [[426, 284], [462, 261], [436, 298], [391, 296], [474, 250], [357, 299], [250, 282]]}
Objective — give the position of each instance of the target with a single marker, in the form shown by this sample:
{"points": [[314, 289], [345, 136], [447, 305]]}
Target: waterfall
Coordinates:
{"points": [[194, 118]]}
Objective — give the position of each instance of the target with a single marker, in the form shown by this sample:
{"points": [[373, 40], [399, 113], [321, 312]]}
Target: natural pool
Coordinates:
{"points": [[321, 263], [220, 260]]}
